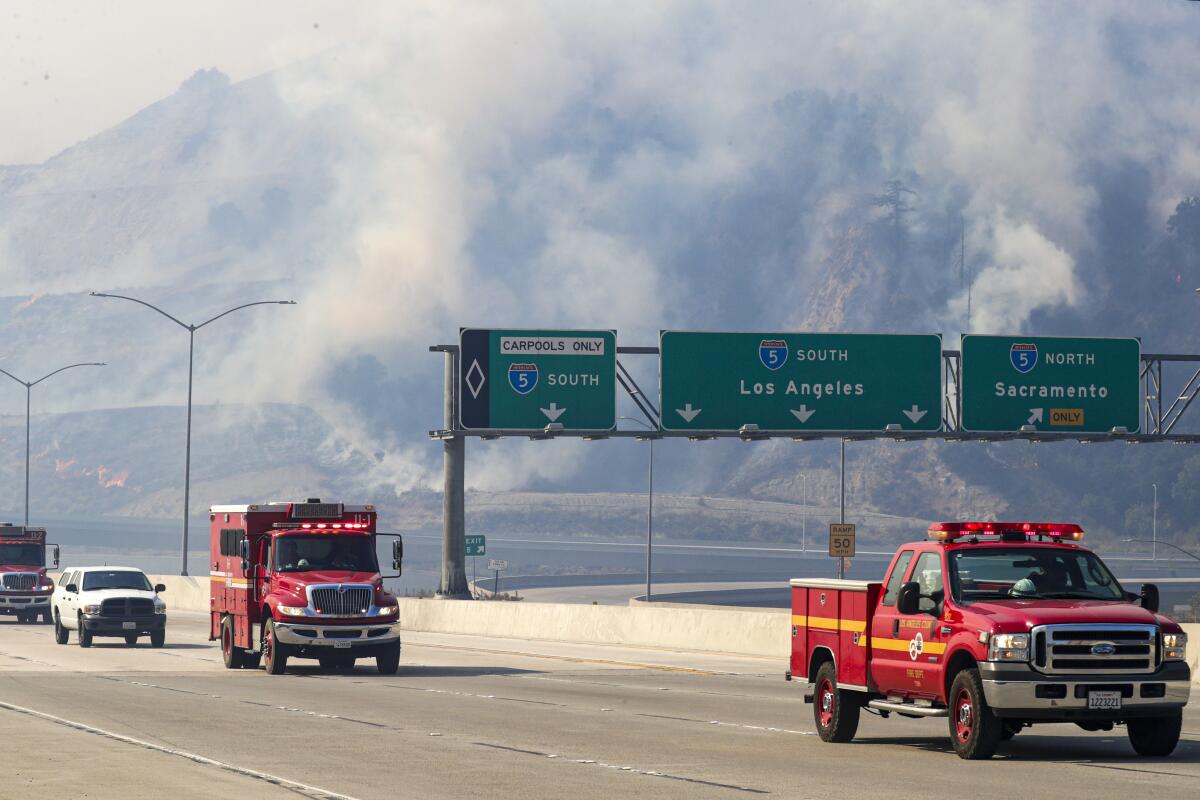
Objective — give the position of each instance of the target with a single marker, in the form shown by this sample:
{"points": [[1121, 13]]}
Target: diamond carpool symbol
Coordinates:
{"points": [[475, 379]]}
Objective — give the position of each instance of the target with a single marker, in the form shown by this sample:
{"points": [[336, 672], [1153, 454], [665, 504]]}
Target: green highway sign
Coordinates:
{"points": [[1062, 384], [476, 545], [528, 379], [800, 381]]}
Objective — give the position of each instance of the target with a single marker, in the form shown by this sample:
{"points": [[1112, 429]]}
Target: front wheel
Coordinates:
{"points": [[274, 652], [388, 662], [974, 730], [1155, 736], [85, 636], [47, 617], [835, 710], [61, 634], [158, 638], [131, 639]]}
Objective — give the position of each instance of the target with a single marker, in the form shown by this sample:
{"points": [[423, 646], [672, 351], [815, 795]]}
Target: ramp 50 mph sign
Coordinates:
{"points": [[528, 379]]}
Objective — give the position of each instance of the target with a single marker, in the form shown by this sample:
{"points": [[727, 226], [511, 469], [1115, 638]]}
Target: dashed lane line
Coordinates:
{"points": [[579, 659], [649, 773], [304, 789]]}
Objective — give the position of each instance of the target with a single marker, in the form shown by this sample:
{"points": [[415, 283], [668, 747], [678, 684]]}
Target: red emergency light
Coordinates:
{"points": [[951, 531]]}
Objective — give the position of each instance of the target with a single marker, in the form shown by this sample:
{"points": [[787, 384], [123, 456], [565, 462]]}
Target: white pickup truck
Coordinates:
{"points": [[108, 601]]}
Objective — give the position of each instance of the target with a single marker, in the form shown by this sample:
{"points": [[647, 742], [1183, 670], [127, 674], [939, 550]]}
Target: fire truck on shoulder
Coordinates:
{"points": [[995, 627], [301, 580], [24, 586]]}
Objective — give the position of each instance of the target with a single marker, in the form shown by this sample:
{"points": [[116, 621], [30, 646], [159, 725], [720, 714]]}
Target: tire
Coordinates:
{"points": [[1155, 737], [835, 711], [22, 618], [974, 730], [47, 617], [274, 654], [250, 660], [233, 656], [85, 636], [61, 634], [158, 638], [131, 639], [388, 662]]}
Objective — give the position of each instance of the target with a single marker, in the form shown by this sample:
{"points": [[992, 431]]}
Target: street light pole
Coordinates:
{"points": [[191, 329], [28, 392], [1154, 526], [804, 516]]}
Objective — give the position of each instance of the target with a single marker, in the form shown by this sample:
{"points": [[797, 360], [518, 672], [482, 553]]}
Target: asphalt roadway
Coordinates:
{"points": [[471, 717]]}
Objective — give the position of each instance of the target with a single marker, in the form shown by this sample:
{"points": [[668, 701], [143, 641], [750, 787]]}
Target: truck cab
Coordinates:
{"points": [[25, 588], [301, 580], [995, 627]]}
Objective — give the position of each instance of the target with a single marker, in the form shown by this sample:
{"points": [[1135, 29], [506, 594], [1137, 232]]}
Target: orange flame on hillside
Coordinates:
{"points": [[28, 303]]}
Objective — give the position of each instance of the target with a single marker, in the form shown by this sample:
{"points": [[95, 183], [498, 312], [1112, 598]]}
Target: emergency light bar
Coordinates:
{"points": [[321, 526], [1018, 531]]}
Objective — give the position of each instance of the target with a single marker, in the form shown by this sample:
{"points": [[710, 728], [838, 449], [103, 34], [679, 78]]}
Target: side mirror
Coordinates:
{"points": [[1149, 597], [397, 553], [244, 550], [56, 555], [159, 587], [909, 600], [72, 588]]}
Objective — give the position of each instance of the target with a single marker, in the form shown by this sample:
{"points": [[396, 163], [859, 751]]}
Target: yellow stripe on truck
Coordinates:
{"points": [[830, 623], [932, 648]]}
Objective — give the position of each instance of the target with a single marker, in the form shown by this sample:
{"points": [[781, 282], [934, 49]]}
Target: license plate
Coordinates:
{"points": [[129, 626], [1105, 701], [344, 644]]}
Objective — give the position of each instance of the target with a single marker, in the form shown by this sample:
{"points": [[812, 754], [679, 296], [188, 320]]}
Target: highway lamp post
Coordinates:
{"points": [[1188, 553], [191, 329], [649, 506], [1154, 526], [28, 392], [804, 515]]}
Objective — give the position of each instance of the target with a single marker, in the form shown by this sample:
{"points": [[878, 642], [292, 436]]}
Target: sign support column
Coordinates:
{"points": [[453, 581]]}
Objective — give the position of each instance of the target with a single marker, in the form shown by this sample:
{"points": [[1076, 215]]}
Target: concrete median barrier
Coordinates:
{"points": [[715, 629]]}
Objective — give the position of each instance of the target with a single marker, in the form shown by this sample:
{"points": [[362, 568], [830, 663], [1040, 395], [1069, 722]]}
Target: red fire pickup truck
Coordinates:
{"points": [[994, 626]]}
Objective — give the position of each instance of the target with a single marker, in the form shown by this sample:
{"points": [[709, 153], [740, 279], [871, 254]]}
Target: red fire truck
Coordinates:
{"points": [[301, 580], [994, 626], [24, 586]]}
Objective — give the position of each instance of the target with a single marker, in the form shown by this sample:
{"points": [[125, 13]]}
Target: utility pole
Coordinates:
{"points": [[187, 450], [29, 391]]}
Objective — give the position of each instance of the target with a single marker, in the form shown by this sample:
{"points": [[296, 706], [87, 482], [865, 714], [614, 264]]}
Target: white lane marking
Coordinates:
{"points": [[302, 788]]}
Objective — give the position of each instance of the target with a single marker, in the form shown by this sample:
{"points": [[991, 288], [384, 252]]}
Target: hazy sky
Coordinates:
{"points": [[72, 68]]}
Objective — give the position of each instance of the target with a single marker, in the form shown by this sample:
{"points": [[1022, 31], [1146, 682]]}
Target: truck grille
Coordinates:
{"points": [[127, 607], [341, 601], [20, 581], [1095, 649]]}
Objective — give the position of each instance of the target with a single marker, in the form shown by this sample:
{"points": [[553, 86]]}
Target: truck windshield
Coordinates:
{"points": [[348, 553], [1023, 572], [21, 555], [116, 579]]}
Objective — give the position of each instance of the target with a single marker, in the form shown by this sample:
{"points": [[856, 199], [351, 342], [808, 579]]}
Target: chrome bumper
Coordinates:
{"points": [[1023, 694], [300, 633], [1011, 687]]}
